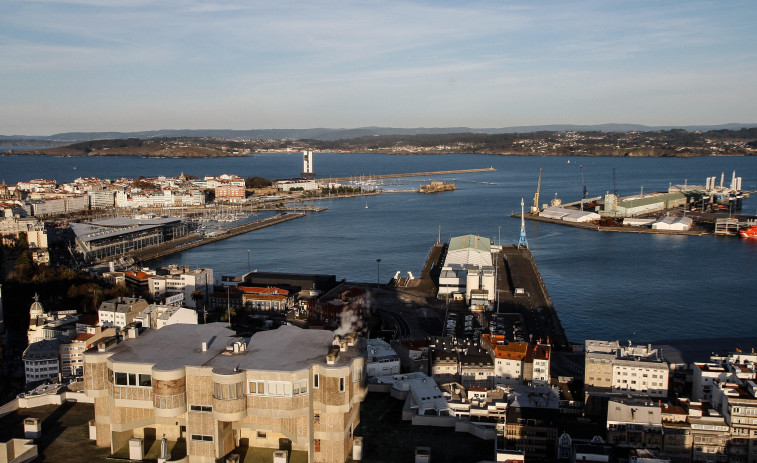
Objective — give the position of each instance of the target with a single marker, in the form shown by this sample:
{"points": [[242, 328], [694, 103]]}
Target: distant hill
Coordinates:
{"points": [[342, 133]]}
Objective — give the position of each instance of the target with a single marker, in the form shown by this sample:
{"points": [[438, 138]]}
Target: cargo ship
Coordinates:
{"points": [[749, 232]]}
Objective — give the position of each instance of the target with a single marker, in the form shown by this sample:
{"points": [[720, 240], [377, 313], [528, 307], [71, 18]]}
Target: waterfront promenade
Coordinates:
{"points": [[194, 240]]}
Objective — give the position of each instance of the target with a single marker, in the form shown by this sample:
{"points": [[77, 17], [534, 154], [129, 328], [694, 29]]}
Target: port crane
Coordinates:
{"points": [[535, 207]]}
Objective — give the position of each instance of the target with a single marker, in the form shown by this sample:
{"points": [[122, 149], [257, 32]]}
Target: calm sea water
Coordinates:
{"points": [[603, 285]]}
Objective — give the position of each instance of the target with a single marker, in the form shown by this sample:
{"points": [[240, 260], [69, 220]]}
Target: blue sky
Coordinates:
{"points": [[97, 65]]}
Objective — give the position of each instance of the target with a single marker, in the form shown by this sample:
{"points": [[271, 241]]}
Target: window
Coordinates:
{"points": [[301, 387], [317, 445], [121, 379], [257, 387], [145, 380], [202, 437], [316, 418], [228, 391], [357, 374], [341, 384], [315, 384], [261, 435], [201, 408]]}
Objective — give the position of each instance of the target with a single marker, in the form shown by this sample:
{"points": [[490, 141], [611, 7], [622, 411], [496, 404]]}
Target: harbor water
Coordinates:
{"points": [[603, 285]]}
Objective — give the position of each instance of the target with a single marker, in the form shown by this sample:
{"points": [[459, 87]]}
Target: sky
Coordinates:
{"points": [[130, 65]]}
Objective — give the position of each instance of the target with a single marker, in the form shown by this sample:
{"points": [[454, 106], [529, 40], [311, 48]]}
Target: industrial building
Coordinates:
{"points": [[468, 270], [569, 215], [288, 389], [632, 206]]}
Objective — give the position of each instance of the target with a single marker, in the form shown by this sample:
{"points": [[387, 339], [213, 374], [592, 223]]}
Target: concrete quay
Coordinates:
{"points": [[412, 174], [194, 240], [595, 227], [516, 269]]}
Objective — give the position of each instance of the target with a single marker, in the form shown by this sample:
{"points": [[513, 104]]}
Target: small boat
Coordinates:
{"points": [[750, 232], [366, 204]]}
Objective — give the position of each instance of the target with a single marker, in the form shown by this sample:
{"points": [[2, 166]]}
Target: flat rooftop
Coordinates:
{"points": [[287, 348]]}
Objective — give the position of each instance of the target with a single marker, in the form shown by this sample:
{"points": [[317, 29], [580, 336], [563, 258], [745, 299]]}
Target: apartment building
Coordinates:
{"points": [[41, 360], [121, 311], [265, 299], [381, 359], [174, 279], [737, 402], [293, 388], [638, 370], [516, 362], [735, 367], [156, 316], [710, 433]]}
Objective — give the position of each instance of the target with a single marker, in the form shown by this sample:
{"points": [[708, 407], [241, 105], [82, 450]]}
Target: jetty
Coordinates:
{"points": [[413, 174], [194, 240]]}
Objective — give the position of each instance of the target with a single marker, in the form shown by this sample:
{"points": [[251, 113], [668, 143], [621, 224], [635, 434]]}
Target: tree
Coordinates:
{"points": [[257, 182]]}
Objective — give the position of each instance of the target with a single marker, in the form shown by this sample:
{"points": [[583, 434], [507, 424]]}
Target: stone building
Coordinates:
{"points": [[289, 388]]}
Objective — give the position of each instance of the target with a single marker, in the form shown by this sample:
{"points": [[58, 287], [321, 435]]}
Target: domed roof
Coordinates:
{"points": [[36, 308]]}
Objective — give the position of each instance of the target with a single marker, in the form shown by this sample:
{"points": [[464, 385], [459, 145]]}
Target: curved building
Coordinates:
{"points": [[292, 389]]}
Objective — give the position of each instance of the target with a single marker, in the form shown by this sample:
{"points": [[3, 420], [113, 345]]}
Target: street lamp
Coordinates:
{"points": [[378, 272]]}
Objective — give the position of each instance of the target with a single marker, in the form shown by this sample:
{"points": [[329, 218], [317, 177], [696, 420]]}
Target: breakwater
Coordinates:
{"points": [[412, 174]]}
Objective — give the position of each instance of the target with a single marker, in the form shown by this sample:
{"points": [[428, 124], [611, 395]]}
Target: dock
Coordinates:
{"points": [[413, 174], [520, 290], [595, 227], [518, 272], [194, 240]]}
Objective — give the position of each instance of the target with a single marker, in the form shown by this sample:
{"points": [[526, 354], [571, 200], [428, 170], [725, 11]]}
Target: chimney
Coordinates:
{"points": [[332, 355], [204, 346]]}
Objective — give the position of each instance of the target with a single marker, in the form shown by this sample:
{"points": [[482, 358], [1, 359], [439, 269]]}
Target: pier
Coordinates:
{"points": [[520, 291], [413, 174], [595, 227], [194, 240]]}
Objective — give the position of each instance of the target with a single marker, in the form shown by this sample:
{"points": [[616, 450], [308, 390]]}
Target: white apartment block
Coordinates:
{"points": [[181, 280], [157, 316], [165, 198], [736, 367], [101, 199], [737, 402], [638, 370], [120, 312]]}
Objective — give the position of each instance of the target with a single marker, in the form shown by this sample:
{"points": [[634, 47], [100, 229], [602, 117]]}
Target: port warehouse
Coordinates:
{"points": [[636, 205], [117, 236]]}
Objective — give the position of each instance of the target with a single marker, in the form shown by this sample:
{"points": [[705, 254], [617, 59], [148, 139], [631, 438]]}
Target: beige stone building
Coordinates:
{"points": [[290, 388]]}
